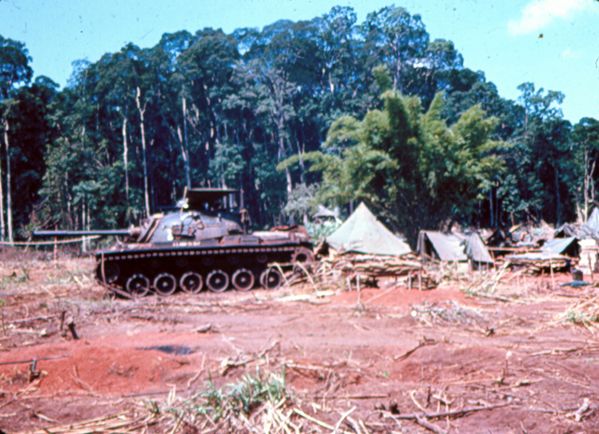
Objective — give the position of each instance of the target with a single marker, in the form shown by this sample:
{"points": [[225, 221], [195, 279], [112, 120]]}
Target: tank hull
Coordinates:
{"points": [[240, 262], [204, 244]]}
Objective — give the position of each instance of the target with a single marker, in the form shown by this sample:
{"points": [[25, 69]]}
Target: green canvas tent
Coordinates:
{"points": [[363, 233], [445, 247]]}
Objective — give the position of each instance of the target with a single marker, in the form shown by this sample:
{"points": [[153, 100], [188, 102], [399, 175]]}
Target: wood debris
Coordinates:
{"points": [[537, 266], [358, 270], [125, 422], [583, 312]]}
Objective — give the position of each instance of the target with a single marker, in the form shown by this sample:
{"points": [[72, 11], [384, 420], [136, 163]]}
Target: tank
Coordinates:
{"points": [[204, 244]]}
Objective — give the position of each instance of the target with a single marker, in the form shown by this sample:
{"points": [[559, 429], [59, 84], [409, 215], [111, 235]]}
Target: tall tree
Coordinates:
{"points": [[535, 186], [585, 144], [14, 69], [14, 65], [175, 94], [207, 67], [408, 165], [30, 131], [396, 38]]}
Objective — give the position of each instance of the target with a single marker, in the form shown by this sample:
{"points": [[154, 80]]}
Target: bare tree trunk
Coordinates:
{"points": [[144, 152], [185, 150], [558, 209], [281, 155], [588, 185], [496, 205], [592, 192], [8, 184], [193, 117], [126, 158], [84, 238], [582, 213], [68, 217], [279, 123], [491, 211], [151, 179], [301, 148], [2, 225]]}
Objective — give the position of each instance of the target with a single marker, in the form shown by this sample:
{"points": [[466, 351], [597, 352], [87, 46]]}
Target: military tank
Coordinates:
{"points": [[204, 244]]}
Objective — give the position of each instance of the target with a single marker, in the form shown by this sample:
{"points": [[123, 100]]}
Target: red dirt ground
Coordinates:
{"points": [[339, 351]]}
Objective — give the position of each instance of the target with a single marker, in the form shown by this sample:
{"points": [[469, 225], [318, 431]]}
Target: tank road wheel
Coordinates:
{"points": [[138, 285], [217, 281], [302, 255], [191, 282], [242, 280], [108, 272], [165, 284], [271, 278], [262, 258]]}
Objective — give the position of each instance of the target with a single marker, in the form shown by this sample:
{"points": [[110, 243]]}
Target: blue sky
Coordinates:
{"points": [[552, 43]]}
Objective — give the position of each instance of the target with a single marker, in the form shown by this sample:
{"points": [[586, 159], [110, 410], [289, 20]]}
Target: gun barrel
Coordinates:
{"points": [[81, 233]]}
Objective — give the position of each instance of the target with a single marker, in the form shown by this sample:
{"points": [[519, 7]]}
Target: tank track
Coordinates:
{"points": [[139, 271]]}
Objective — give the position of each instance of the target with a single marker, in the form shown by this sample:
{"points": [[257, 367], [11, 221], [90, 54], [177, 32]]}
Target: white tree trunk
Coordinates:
{"points": [[2, 224], [83, 218], [8, 184], [144, 152], [126, 158], [281, 155], [185, 150], [588, 185]]}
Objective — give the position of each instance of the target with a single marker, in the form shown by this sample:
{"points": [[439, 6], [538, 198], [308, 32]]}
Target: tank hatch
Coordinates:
{"points": [[206, 199]]}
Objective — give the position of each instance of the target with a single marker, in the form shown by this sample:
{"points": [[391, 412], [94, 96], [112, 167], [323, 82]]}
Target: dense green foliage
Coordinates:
{"points": [[408, 166], [299, 113]]}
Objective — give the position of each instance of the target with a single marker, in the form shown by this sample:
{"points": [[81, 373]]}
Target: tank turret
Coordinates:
{"points": [[204, 242]]}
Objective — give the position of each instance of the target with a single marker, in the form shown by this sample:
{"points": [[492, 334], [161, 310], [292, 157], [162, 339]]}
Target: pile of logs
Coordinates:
{"points": [[359, 269], [538, 266]]}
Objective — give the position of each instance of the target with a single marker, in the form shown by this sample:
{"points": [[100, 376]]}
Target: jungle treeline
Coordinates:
{"points": [[327, 111]]}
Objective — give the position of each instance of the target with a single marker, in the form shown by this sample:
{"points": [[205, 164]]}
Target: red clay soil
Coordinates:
{"points": [[371, 350]]}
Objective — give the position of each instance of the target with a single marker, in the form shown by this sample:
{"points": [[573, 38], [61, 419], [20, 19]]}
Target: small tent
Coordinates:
{"points": [[476, 251], [324, 214], [593, 220], [554, 248], [562, 246], [363, 233], [445, 247], [583, 232]]}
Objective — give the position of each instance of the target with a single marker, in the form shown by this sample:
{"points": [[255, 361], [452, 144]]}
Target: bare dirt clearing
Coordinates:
{"points": [[408, 361]]}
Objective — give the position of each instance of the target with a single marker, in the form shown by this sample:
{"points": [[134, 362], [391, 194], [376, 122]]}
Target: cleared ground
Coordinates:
{"points": [[522, 359]]}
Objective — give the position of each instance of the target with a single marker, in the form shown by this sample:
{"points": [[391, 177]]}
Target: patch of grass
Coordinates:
{"points": [[232, 405], [582, 317], [583, 312]]}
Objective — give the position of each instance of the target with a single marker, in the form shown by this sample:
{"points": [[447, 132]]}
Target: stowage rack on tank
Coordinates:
{"points": [[204, 244]]}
